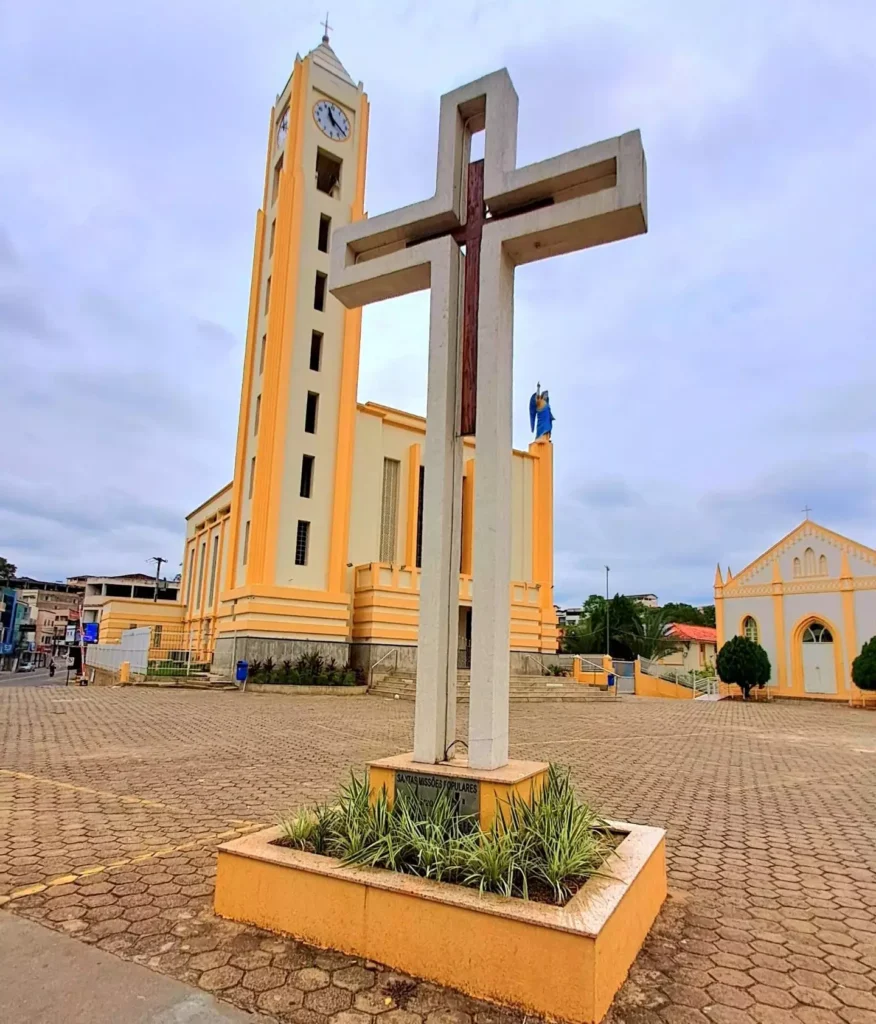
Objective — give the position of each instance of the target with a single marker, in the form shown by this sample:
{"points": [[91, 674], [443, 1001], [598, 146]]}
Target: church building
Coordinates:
{"points": [[318, 536], [810, 602]]}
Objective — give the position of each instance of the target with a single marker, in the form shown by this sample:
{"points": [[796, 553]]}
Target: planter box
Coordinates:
{"points": [[306, 691], [559, 962]]}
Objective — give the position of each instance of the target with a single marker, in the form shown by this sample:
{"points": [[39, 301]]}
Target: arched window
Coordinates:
{"points": [[817, 633], [822, 565], [750, 630], [809, 562], [798, 568]]}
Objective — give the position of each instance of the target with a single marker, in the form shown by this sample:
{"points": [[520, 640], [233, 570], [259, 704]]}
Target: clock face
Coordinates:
{"points": [[332, 120], [283, 128]]}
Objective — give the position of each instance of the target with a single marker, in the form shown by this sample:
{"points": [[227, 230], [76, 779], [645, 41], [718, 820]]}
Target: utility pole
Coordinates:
{"points": [[157, 560], [607, 616]]}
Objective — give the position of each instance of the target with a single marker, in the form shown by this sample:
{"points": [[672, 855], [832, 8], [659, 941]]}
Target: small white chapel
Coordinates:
{"points": [[810, 602]]}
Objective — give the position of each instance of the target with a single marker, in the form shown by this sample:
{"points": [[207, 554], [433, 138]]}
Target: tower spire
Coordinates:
{"points": [[326, 28]]}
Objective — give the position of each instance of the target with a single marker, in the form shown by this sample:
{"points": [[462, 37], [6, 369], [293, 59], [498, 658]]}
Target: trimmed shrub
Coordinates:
{"points": [[864, 666], [745, 663]]}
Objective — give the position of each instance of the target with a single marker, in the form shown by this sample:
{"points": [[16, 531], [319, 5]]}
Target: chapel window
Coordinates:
{"points": [[817, 633], [750, 630], [822, 565], [798, 568], [809, 562]]}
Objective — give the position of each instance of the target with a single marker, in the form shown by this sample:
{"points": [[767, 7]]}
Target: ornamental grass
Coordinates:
{"points": [[542, 849]]}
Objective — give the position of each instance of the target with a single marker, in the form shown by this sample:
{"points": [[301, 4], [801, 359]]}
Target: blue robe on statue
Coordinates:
{"points": [[541, 419]]}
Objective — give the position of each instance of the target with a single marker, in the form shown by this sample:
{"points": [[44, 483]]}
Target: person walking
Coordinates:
{"points": [[51, 668]]}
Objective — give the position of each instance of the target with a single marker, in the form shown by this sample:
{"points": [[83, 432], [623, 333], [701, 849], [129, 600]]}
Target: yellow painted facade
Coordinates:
{"points": [[317, 536], [810, 601]]}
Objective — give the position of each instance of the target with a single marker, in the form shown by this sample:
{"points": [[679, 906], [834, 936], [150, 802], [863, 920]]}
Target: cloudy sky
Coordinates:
{"points": [[709, 379]]}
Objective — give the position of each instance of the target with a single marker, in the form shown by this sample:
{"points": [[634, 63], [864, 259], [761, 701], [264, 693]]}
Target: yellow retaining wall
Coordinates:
{"points": [[583, 672], [654, 686]]}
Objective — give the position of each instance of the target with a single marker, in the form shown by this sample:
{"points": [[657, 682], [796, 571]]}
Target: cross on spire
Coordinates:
{"points": [[326, 28], [806, 511]]}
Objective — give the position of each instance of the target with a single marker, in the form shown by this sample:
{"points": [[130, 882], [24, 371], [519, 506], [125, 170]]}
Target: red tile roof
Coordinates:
{"points": [[693, 634]]}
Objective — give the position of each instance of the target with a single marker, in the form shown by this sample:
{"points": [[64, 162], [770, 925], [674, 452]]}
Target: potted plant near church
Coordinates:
{"points": [[744, 663], [864, 672]]}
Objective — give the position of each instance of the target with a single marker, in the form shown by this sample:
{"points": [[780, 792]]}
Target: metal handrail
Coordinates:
{"points": [[379, 660]]}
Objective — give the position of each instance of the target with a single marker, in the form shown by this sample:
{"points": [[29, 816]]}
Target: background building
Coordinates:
{"points": [[810, 601]]}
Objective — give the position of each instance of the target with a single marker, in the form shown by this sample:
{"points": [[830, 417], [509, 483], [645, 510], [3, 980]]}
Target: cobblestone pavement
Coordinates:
{"points": [[112, 802]]}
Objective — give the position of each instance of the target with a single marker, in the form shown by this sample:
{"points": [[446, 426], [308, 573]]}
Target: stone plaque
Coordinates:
{"points": [[465, 793]]}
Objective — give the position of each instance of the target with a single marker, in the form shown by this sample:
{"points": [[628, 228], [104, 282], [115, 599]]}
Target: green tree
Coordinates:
{"points": [[708, 613], [652, 641], [745, 663], [678, 611], [625, 626], [7, 570], [864, 666]]}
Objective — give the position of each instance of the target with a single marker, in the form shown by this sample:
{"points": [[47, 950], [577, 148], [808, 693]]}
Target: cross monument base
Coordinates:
{"points": [[480, 792]]}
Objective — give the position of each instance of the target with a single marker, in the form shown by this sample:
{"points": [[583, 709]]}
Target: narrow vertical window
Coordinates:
{"points": [[389, 510], [278, 170], [315, 350], [302, 539], [213, 562], [201, 557], [420, 517], [191, 579], [246, 543], [809, 562], [325, 227], [310, 412], [273, 238], [262, 347], [822, 565], [306, 475], [258, 415], [267, 295], [252, 475], [319, 291]]}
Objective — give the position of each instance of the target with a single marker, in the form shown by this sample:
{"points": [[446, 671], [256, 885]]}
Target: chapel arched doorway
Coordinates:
{"points": [[819, 665]]}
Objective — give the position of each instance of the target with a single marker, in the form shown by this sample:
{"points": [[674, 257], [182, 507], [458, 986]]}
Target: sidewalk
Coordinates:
{"points": [[46, 976]]}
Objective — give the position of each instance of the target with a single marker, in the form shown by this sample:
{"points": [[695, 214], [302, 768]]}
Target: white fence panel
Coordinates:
{"points": [[132, 647]]}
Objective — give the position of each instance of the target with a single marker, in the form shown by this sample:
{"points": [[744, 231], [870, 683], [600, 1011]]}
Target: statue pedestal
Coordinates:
{"points": [[479, 791]]}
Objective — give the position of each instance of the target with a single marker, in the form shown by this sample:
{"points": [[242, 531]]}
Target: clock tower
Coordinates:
{"points": [[286, 574]]}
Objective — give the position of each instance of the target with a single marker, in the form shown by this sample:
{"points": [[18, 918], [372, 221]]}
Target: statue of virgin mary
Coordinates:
{"points": [[541, 419]]}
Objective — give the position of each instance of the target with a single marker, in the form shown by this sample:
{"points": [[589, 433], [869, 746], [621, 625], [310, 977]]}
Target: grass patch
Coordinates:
{"points": [[543, 849]]}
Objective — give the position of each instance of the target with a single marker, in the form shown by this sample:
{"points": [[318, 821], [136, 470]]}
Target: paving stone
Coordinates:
{"points": [[263, 978], [310, 979], [354, 979], [219, 978], [328, 1000], [355, 1017], [280, 1000]]}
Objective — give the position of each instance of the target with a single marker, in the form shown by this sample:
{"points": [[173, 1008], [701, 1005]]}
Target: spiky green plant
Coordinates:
{"points": [[547, 845]]}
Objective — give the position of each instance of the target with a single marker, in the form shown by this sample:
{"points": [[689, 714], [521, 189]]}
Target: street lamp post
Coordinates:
{"points": [[607, 615]]}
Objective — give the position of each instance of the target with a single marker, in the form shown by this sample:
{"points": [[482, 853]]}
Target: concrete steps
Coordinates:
{"points": [[522, 689]]}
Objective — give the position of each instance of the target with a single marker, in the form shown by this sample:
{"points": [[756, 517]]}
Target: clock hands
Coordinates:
{"points": [[333, 121]]}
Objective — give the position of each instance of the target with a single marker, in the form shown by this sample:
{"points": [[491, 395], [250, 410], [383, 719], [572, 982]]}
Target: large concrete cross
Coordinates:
{"points": [[582, 198]]}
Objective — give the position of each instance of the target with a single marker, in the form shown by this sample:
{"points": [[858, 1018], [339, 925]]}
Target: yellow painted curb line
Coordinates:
{"points": [[32, 890]]}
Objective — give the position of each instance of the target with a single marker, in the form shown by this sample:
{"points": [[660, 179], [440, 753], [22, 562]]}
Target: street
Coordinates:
{"points": [[39, 677]]}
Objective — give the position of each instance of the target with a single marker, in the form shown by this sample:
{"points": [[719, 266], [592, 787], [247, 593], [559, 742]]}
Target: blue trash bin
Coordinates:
{"points": [[610, 678], [242, 671]]}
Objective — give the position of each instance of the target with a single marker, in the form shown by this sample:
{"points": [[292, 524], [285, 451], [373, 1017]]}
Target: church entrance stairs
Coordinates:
{"points": [[523, 688]]}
